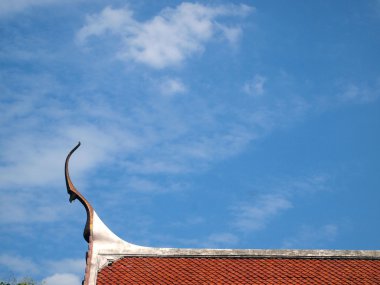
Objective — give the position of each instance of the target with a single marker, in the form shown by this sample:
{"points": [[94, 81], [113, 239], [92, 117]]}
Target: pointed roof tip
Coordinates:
{"points": [[76, 147], [71, 190], [75, 194]]}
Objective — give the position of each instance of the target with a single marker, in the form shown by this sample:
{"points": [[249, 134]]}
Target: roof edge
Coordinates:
{"points": [[109, 246], [107, 258], [246, 253]]}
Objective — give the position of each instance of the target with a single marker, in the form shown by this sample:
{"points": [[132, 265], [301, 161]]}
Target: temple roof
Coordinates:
{"points": [[111, 260], [246, 270]]}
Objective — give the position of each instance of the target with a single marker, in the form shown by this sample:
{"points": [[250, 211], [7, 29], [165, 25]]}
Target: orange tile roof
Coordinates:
{"points": [[239, 270]]}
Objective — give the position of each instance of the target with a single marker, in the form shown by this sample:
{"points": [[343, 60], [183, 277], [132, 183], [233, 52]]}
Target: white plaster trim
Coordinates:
{"points": [[104, 240]]}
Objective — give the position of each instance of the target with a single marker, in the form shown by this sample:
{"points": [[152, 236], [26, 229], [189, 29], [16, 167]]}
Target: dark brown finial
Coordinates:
{"points": [[75, 194]]}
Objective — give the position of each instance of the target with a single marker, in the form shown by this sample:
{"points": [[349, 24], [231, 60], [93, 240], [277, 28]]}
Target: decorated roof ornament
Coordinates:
{"points": [[75, 194], [103, 245], [111, 260]]}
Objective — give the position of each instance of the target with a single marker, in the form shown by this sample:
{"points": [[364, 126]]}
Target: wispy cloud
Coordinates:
{"points": [[359, 93], [256, 216], [68, 265], [213, 240], [189, 221], [17, 264], [152, 137], [23, 207], [66, 271], [172, 86], [167, 39], [255, 86], [310, 236], [35, 154], [146, 185], [309, 184], [221, 240], [62, 279]]}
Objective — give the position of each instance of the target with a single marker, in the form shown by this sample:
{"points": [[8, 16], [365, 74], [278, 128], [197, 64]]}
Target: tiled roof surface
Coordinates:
{"points": [[220, 270]]}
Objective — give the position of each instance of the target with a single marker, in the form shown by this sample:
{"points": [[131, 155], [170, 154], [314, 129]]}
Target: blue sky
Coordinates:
{"points": [[203, 124]]}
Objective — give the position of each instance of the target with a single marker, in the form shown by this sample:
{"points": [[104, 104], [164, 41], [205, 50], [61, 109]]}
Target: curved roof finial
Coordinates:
{"points": [[75, 194]]}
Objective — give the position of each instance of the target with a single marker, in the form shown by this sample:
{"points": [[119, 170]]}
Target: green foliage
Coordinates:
{"points": [[26, 281]]}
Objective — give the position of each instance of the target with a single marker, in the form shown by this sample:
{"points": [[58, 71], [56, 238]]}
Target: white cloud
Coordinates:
{"points": [[62, 279], [65, 271], [184, 153], [265, 207], [174, 139], [359, 93], [18, 264], [214, 240], [167, 39], [31, 168], [22, 206], [256, 216], [316, 236], [109, 20], [232, 34], [68, 265], [220, 239], [142, 184], [40, 156], [255, 87], [305, 185], [172, 86]]}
